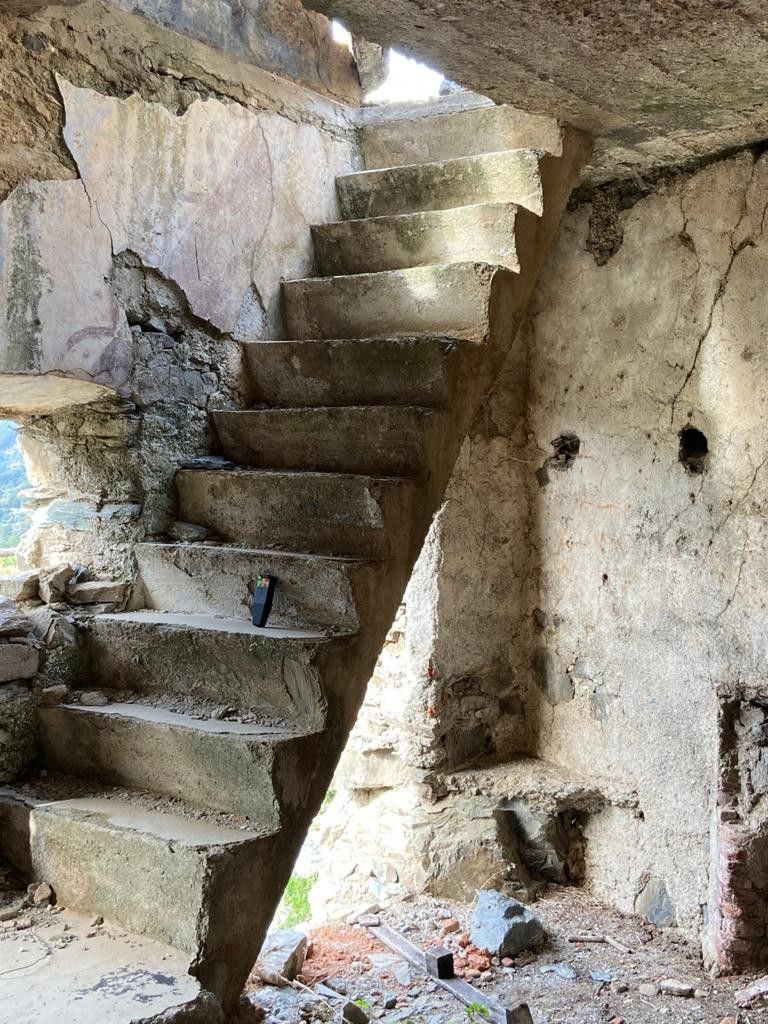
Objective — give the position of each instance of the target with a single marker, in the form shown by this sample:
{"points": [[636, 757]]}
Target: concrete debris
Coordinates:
{"points": [[97, 592], [19, 659], [503, 926], [21, 587], [53, 582], [562, 970], [353, 1014], [753, 995], [673, 987], [648, 988], [187, 533], [55, 694], [93, 699], [282, 957], [41, 893], [12, 622]]}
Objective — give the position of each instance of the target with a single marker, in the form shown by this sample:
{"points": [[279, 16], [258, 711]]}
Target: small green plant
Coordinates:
{"points": [[363, 1004], [476, 1012], [295, 906]]}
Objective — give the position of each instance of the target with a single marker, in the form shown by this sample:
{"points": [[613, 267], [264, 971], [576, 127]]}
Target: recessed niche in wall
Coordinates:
{"points": [[694, 449]]}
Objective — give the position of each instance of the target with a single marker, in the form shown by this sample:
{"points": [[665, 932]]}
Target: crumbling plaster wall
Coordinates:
{"points": [[153, 203], [612, 600]]}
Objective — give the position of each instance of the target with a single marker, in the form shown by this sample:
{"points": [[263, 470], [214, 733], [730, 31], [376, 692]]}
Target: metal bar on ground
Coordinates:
{"points": [[461, 990]]}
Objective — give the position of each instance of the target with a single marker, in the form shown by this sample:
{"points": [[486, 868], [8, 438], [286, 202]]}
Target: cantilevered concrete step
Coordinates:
{"points": [[313, 591], [377, 440], [275, 673], [152, 873], [452, 299], [453, 134], [234, 767], [512, 176], [321, 513], [371, 371], [484, 234]]}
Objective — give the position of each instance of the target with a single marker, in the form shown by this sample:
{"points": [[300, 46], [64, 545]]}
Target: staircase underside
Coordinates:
{"points": [[212, 743]]}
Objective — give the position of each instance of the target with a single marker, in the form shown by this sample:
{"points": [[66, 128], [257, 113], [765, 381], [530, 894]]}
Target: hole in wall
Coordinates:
{"points": [[566, 447], [407, 81], [694, 449], [13, 482]]}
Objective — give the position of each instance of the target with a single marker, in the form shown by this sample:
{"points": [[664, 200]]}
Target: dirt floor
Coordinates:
{"points": [[563, 982]]}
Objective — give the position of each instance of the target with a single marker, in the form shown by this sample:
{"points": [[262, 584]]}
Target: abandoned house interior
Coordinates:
{"points": [[383, 538]]}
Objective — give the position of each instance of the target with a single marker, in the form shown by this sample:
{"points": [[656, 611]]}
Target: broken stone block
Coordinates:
{"points": [[753, 995], [503, 926], [53, 582], [673, 987], [19, 659], [97, 592], [55, 694], [18, 731], [653, 902], [21, 587], [12, 622], [187, 532], [282, 956], [351, 1013]]}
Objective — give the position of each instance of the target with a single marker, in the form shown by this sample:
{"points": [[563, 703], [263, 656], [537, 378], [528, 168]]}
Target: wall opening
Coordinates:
{"points": [[407, 81], [694, 449], [13, 482]]}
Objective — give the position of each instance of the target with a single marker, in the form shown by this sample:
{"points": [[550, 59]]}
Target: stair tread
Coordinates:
{"points": [[440, 337], [214, 623], [119, 813], [539, 781], [416, 273], [153, 715], [250, 471], [455, 161], [240, 549], [414, 215]]}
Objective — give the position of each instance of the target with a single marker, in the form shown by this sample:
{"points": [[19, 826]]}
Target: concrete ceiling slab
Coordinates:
{"points": [[657, 81]]}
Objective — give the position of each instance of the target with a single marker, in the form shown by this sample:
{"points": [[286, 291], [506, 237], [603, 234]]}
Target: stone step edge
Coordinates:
{"points": [[161, 718], [380, 275], [166, 826], [454, 161], [414, 214], [201, 623]]}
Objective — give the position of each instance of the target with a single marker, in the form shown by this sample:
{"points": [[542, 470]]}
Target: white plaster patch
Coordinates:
{"points": [[218, 200], [57, 311]]}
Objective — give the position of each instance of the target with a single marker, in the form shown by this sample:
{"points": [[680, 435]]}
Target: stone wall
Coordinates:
{"points": [[153, 202], [586, 596]]}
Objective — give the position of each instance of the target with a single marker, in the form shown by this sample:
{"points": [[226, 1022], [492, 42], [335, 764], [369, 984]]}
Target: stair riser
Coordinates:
{"points": [[350, 372], [461, 133], [377, 441], [317, 513], [136, 880], [450, 299], [482, 234], [511, 177], [215, 771], [276, 680], [311, 593]]}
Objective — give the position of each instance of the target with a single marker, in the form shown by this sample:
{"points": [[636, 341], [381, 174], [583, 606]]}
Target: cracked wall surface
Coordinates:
{"points": [[170, 205], [612, 599]]}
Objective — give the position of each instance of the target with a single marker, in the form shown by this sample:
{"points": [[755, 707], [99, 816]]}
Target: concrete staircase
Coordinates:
{"points": [[234, 732]]}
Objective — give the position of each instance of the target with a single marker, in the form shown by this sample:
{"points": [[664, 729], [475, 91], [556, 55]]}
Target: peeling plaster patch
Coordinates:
{"points": [[57, 312], [219, 200]]}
